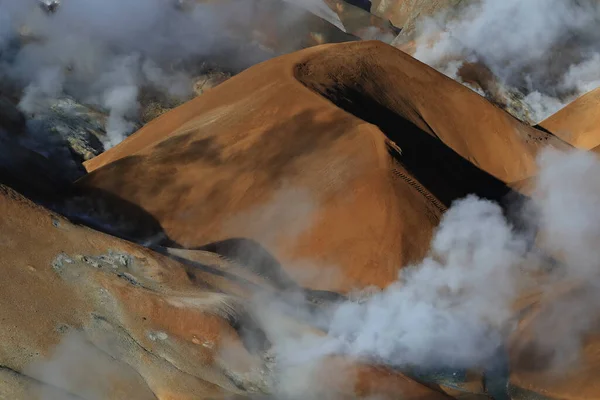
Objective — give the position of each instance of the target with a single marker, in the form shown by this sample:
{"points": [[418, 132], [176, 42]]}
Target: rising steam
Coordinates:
{"points": [[546, 50], [105, 53], [455, 309]]}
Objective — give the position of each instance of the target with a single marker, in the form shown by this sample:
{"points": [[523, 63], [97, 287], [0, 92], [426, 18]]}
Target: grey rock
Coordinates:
{"points": [[80, 127], [129, 278], [111, 260], [59, 262], [209, 80]]}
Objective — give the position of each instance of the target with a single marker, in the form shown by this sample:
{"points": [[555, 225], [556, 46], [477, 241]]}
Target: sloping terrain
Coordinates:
{"points": [[302, 182], [48, 99], [577, 123], [541, 368], [64, 117], [88, 316], [472, 74], [271, 156], [123, 318], [530, 59]]}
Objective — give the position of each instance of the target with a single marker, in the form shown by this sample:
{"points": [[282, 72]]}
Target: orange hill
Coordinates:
{"points": [[338, 160], [125, 317], [578, 123], [88, 316], [327, 168], [540, 364]]}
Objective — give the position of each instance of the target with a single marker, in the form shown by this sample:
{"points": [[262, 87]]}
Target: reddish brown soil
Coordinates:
{"points": [[339, 160], [578, 123]]}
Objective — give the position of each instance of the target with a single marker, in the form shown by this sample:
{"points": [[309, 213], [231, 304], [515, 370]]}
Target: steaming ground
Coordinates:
{"points": [[546, 51], [455, 309], [99, 53], [107, 54], [452, 310]]}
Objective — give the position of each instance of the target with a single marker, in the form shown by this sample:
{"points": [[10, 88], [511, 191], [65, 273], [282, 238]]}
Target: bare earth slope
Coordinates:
{"points": [[541, 365], [326, 169], [123, 318], [87, 316], [578, 123], [271, 155]]}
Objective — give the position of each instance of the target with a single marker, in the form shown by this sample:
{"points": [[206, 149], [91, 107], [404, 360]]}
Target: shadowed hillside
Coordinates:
{"points": [[230, 162]]}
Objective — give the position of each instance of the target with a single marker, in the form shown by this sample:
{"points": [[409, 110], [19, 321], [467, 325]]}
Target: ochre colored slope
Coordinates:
{"points": [[383, 78], [474, 128], [556, 354], [579, 122], [88, 316], [341, 199], [105, 302]]}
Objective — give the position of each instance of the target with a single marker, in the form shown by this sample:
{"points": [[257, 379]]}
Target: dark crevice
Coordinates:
{"points": [[442, 174]]}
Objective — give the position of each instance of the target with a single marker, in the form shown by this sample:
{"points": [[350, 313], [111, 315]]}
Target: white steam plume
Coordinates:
{"points": [[455, 308], [103, 53], [449, 310], [570, 191], [549, 50]]}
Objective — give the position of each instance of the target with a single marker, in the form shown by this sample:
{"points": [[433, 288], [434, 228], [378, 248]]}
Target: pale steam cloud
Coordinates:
{"points": [[545, 49]]}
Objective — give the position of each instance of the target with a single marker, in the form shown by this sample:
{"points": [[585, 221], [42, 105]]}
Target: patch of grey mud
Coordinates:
{"points": [[60, 262], [117, 263]]}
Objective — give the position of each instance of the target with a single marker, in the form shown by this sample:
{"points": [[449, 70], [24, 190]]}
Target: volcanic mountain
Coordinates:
{"points": [[89, 316], [223, 235], [354, 146]]}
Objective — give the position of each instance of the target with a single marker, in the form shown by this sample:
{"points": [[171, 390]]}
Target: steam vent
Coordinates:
{"points": [[299, 200]]}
